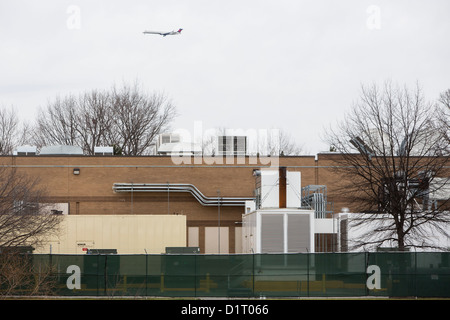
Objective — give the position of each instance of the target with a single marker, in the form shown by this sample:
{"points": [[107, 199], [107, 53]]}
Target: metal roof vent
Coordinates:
{"points": [[103, 151], [25, 151], [61, 150]]}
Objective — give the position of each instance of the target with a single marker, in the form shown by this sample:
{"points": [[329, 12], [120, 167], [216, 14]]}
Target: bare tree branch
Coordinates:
{"points": [[12, 132], [126, 118], [23, 219], [138, 119], [391, 146]]}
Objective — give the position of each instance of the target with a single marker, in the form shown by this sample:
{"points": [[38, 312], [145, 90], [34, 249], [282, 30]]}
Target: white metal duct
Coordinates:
{"points": [[181, 187]]}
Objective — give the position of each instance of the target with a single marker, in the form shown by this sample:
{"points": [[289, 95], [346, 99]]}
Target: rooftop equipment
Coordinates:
{"points": [[103, 151], [61, 150], [315, 197], [25, 151]]}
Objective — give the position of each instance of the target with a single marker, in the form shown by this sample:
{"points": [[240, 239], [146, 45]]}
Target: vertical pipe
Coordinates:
{"points": [[282, 187], [218, 219], [132, 198]]}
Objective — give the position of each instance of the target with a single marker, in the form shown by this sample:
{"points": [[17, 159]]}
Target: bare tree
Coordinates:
{"points": [[283, 144], [392, 150], [444, 116], [94, 120], [138, 119], [24, 223], [24, 220], [19, 276], [126, 118], [57, 124], [12, 132]]}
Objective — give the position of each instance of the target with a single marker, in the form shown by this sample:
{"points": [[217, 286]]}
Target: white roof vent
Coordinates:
{"points": [[25, 151], [61, 150], [103, 151]]}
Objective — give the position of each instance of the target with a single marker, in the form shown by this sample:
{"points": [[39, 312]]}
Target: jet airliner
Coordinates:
{"points": [[171, 33]]}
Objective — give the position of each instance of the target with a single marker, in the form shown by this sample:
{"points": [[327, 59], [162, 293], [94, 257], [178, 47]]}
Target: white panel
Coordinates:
{"points": [[238, 239], [250, 206], [269, 189], [212, 240], [272, 233], [440, 189], [193, 237], [249, 233], [293, 189], [324, 226], [299, 233]]}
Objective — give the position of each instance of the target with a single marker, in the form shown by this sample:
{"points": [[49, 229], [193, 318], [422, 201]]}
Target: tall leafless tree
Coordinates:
{"points": [[138, 118], [57, 123], [12, 132], [94, 120], [126, 118], [392, 150]]}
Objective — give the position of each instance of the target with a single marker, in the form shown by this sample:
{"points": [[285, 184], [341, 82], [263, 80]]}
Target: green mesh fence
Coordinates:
{"points": [[272, 275]]}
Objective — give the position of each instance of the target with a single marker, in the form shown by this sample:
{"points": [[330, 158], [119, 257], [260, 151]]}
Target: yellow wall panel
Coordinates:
{"points": [[129, 234]]}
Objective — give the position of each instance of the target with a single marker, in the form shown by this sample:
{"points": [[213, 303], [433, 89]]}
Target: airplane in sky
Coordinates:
{"points": [[171, 33]]}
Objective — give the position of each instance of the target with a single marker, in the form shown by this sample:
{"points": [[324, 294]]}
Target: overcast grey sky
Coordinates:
{"points": [[292, 65]]}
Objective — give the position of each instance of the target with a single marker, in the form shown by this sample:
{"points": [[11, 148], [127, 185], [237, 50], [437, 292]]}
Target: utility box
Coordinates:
{"points": [[286, 230]]}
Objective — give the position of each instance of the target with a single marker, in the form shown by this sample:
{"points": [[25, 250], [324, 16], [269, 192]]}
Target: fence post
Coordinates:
{"points": [[253, 275], [307, 273], [146, 274], [195, 275], [415, 272], [367, 258], [106, 275]]}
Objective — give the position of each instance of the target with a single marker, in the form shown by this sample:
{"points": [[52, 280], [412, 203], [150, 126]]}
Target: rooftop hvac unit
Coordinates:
{"points": [[232, 145], [25, 151], [103, 151], [61, 150], [278, 231]]}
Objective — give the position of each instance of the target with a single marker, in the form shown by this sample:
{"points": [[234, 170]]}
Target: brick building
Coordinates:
{"points": [[90, 185]]}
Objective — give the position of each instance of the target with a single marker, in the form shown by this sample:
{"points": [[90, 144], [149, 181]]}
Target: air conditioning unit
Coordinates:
{"points": [[278, 231], [25, 151], [103, 151]]}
